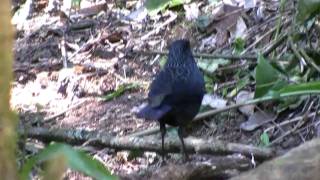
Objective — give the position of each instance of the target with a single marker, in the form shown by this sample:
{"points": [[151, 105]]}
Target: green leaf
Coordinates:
{"points": [[174, 3], [291, 92], [135, 153], [75, 159], [240, 84], [274, 94], [162, 61], [75, 3], [155, 6], [267, 78], [303, 88], [307, 9], [238, 45], [202, 22], [211, 65], [264, 139], [208, 83], [292, 102], [121, 89]]}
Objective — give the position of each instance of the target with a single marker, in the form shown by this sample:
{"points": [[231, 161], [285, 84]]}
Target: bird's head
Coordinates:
{"points": [[180, 45], [180, 52]]}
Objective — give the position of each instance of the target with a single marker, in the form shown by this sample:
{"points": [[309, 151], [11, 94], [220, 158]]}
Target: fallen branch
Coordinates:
{"points": [[214, 168], [172, 145]]}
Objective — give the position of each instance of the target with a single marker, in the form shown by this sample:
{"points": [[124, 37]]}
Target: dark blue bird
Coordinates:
{"points": [[176, 92]]}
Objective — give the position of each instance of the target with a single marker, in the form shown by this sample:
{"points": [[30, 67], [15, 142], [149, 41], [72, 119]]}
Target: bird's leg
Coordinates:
{"points": [[163, 133], [181, 135]]}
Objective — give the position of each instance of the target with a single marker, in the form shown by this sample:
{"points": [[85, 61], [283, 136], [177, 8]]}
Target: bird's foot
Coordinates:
{"points": [[163, 162], [185, 158]]}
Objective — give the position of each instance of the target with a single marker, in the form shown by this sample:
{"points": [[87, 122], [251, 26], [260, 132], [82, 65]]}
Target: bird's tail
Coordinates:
{"points": [[150, 113]]}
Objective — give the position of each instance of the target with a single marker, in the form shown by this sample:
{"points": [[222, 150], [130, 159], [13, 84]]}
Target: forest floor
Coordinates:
{"points": [[95, 65]]}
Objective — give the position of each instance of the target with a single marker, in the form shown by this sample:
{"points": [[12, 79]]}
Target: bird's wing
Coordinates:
{"points": [[160, 88]]}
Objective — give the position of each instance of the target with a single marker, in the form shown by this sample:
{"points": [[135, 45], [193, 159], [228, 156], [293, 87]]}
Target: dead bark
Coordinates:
{"points": [[172, 145], [299, 163]]}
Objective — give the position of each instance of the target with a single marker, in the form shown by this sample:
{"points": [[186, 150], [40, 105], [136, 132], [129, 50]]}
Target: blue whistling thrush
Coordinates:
{"points": [[176, 93]]}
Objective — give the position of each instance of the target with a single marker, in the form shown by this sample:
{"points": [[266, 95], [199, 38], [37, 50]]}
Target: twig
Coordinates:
{"points": [[282, 3], [90, 42], [168, 21], [235, 66], [301, 122], [262, 37], [63, 112], [259, 39], [309, 60], [290, 121], [201, 55], [172, 145], [219, 56], [253, 30], [295, 50], [277, 41], [146, 132], [226, 85], [253, 101], [275, 44], [64, 53], [315, 124]]}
